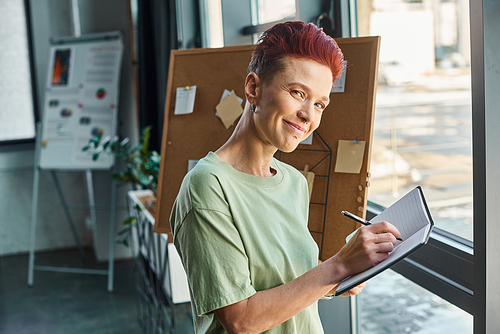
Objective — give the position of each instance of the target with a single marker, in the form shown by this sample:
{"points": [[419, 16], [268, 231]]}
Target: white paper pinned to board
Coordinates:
{"points": [[184, 100]]}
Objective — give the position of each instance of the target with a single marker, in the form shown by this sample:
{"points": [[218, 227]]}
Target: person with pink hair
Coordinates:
{"points": [[240, 219]]}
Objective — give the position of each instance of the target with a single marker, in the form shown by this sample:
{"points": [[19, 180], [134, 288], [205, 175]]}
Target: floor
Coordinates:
{"points": [[76, 303], [71, 303], [392, 304]]}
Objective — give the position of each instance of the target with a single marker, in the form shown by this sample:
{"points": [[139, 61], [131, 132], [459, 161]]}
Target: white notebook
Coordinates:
{"points": [[412, 218]]}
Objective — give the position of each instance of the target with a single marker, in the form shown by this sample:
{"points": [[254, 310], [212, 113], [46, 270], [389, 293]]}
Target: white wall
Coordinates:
{"points": [[491, 12], [15, 206], [52, 18]]}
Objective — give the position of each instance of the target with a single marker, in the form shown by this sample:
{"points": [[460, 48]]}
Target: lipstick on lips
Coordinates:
{"points": [[296, 127]]}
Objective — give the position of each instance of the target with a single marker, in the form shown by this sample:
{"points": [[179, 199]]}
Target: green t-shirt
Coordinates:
{"points": [[238, 234]]}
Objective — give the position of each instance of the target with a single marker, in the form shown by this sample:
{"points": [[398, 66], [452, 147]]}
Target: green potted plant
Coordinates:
{"points": [[141, 169]]}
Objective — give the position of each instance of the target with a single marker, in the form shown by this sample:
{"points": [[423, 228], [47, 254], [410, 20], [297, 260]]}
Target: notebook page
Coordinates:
{"points": [[408, 214]]}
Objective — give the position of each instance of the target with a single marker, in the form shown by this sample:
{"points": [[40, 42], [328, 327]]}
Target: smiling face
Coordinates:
{"points": [[289, 107]]}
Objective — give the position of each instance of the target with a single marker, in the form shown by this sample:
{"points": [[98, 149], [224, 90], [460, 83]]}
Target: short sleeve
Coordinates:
{"points": [[214, 258]]}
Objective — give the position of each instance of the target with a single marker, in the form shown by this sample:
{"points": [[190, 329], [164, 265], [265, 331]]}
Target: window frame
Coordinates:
{"points": [[438, 266]]}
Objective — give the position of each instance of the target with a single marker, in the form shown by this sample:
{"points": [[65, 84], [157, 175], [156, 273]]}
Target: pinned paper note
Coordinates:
{"points": [[308, 140], [310, 180], [191, 164], [339, 84], [184, 100], [226, 93], [229, 109], [350, 156]]}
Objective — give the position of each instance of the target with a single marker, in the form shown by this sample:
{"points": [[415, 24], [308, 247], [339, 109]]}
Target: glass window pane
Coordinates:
{"points": [[16, 112], [390, 303], [423, 120], [273, 10], [213, 19]]}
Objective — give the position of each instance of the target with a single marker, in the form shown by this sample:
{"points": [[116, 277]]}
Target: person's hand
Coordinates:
{"points": [[354, 291], [368, 247]]}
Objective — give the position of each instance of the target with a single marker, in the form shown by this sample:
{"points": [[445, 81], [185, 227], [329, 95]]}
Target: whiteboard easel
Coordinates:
{"points": [[81, 100]]}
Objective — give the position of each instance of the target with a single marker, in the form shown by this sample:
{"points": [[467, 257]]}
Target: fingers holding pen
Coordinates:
{"points": [[370, 245], [389, 228], [385, 231], [376, 245], [380, 237]]}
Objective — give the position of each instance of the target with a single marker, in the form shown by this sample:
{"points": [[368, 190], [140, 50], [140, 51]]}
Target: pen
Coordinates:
{"points": [[360, 220]]}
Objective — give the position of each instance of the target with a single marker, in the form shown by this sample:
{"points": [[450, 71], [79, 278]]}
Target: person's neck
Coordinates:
{"points": [[245, 152]]}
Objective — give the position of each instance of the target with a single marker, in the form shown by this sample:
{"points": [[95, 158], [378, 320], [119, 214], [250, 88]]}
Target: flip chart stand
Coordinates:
{"points": [[34, 213]]}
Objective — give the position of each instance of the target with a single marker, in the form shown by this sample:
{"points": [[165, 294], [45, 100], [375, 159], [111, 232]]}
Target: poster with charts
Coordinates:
{"points": [[81, 100]]}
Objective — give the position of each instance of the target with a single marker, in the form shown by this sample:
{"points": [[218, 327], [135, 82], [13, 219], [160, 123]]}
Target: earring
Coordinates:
{"points": [[252, 107]]}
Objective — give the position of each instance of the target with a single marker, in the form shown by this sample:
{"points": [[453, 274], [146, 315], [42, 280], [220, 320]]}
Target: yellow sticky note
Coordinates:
{"points": [[310, 181], [229, 109], [350, 156]]}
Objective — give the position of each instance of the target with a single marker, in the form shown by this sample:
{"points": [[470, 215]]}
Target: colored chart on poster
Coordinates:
{"points": [[81, 99], [101, 93]]}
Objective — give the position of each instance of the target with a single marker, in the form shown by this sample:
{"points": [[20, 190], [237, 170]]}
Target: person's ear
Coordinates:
{"points": [[253, 88]]}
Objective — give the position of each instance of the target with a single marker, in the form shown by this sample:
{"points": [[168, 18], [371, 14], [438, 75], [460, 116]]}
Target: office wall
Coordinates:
{"points": [[16, 182], [309, 10], [491, 13], [52, 18]]}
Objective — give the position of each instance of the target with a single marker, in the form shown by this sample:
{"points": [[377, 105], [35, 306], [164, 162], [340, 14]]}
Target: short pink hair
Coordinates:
{"points": [[296, 39]]}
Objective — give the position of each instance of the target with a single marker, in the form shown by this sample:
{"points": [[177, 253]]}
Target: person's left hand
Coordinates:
{"points": [[353, 292]]}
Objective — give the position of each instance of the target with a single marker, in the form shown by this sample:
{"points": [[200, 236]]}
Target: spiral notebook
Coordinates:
{"points": [[412, 218]]}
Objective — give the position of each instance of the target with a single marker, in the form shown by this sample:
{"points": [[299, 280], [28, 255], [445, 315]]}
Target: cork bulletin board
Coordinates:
{"points": [[349, 117]]}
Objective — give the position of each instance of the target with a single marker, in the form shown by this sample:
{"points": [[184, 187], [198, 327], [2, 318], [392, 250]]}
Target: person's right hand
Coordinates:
{"points": [[369, 246]]}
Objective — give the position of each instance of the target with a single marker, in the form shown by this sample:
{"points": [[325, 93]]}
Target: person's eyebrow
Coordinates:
{"points": [[308, 89]]}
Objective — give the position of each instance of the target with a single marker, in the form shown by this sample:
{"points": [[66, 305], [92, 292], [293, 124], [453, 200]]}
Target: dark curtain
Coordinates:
{"points": [[156, 37], [329, 19]]}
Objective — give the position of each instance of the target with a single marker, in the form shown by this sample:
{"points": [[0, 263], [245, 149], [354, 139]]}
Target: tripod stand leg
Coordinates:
{"points": [[112, 232], [34, 213]]}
